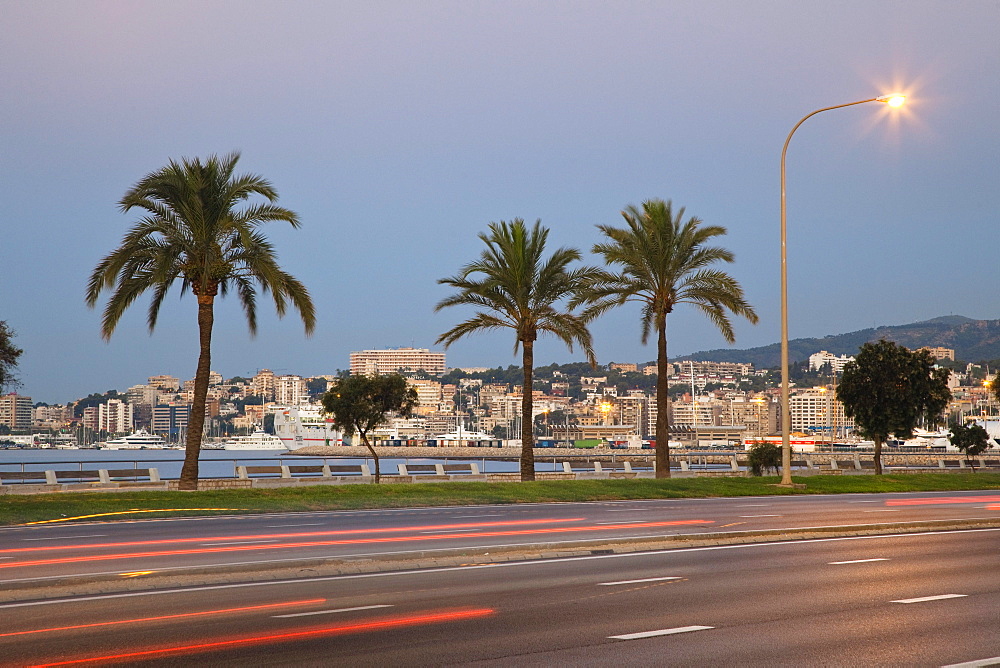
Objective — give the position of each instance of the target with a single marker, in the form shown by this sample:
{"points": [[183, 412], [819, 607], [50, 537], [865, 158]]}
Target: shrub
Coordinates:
{"points": [[764, 456]]}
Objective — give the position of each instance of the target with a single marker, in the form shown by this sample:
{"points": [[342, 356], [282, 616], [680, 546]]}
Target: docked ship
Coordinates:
{"points": [[298, 426], [140, 440], [259, 440]]}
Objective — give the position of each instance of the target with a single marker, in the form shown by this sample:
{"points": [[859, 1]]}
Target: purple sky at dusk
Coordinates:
{"points": [[398, 130]]}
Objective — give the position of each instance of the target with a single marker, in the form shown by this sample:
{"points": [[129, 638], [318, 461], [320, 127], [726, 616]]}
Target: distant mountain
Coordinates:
{"points": [[972, 340]]}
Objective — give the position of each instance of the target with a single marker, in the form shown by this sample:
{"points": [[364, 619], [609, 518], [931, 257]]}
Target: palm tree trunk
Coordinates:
{"points": [[662, 402], [527, 423], [196, 420], [878, 455], [378, 470]]}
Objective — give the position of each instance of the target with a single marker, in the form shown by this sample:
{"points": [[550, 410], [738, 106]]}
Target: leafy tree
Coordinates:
{"points": [[970, 439], [764, 456], [316, 386], [517, 288], [662, 261], [362, 403], [887, 389], [8, 356], [194, 230]]}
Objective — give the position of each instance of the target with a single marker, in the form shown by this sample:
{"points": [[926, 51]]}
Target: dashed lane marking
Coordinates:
{"points": [[857, 561], [331, 612], [661, 632], [628, 582], [924, 599]]}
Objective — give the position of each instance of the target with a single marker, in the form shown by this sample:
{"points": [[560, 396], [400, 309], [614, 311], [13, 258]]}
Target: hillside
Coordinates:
{"points": [[972, 340]]}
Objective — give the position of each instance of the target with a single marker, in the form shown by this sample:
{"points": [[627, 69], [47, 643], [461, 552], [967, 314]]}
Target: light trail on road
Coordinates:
{"points": [[269, 536], [181, 615], [356, 541], [358, 627]]}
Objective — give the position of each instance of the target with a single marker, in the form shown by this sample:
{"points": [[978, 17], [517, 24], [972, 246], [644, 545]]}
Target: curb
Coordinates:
{"points": [[47, 588]]}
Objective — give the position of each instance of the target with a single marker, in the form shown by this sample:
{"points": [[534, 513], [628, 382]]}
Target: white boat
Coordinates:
{"points": [[140, 440], [462, 437], [259, 440]]}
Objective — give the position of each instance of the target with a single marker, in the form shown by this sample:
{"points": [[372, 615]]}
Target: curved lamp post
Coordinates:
{"points": [[786, 415]]}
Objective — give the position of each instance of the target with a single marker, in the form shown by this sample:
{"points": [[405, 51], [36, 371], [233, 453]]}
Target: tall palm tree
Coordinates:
{"points": [[517, 288], [662, 261], [193, 231]]}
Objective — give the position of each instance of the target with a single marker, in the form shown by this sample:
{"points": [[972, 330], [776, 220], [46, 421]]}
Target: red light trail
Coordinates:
{"points": [[355, 541], [183, 615], [942, 500], [305, 534], [359, 627]]}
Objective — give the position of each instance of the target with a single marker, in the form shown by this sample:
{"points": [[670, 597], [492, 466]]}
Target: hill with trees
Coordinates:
{"points": [[972, 341]]}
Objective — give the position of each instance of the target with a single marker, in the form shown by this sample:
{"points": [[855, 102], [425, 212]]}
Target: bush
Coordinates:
{"points": [[764, 456]]}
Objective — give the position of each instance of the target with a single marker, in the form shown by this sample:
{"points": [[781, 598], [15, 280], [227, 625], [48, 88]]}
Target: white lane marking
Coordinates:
{"points": [[617, 522], [240, 542], [628, 582], [760, 515], [995, 661], [857, 561], [629, 510], [282, 526], [452, 531], [443, 569], [330, 612], [661, 632], [882, 510], [92, 535], [924, 599]]}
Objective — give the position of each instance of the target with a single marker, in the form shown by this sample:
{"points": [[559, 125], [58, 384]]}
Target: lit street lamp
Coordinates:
{"points": [[786, 416]]}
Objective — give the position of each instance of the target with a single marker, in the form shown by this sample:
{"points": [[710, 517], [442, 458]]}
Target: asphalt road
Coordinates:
{"points": [[55, 551], [928, 599]]}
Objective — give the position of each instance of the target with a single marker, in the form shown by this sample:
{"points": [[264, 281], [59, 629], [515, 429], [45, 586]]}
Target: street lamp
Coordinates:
{"points": [[786, 416]]}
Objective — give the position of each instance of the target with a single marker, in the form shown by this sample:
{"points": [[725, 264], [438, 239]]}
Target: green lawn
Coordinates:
{"points": [[75, 507]]}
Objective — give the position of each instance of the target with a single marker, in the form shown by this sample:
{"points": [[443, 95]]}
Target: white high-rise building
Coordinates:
{"points": [[115, 417], [817, 360], [397, 360], [290, 390]]}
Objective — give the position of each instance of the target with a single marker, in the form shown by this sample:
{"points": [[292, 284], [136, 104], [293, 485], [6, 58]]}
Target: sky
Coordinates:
{"points": [[399, 130]]}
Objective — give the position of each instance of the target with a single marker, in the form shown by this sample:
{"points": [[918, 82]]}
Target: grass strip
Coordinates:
{"points": [[18, 509]]}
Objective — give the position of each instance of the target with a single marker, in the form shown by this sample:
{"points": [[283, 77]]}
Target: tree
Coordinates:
{"points": [[763, 456], [661, 261], [194, 230], [970, 439], [361, 403], [517, 287], [887, 389], [8, 356]]}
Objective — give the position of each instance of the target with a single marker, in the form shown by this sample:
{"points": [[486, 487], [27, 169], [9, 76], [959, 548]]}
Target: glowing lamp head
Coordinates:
{"points": [[893, 100]]}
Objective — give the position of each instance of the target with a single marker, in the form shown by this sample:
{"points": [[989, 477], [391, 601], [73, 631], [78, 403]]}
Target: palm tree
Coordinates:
{"points": [[192, 230], [661, 262], [517, 288]]}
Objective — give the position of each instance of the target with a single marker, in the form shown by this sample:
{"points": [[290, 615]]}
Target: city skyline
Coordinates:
{"points": [[399, 131]]}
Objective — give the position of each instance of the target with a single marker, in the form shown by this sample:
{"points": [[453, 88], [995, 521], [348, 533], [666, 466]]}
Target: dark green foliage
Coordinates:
{"points": [[763, 457], [970, 439], [8, 356], [887, 389], [198, 228], [659, 260], [515, 286], [361, 403]]}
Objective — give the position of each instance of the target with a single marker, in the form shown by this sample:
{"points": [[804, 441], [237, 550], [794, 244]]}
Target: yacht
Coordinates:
{"points": [[140, 440], [259, 440]]}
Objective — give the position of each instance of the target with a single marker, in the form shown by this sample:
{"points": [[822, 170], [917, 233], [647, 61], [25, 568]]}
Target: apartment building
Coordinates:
{"points": [[115, 417], [817, 410], [817, 360], [397, 360], [170, 419], [15, 411], [290, 390]]}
